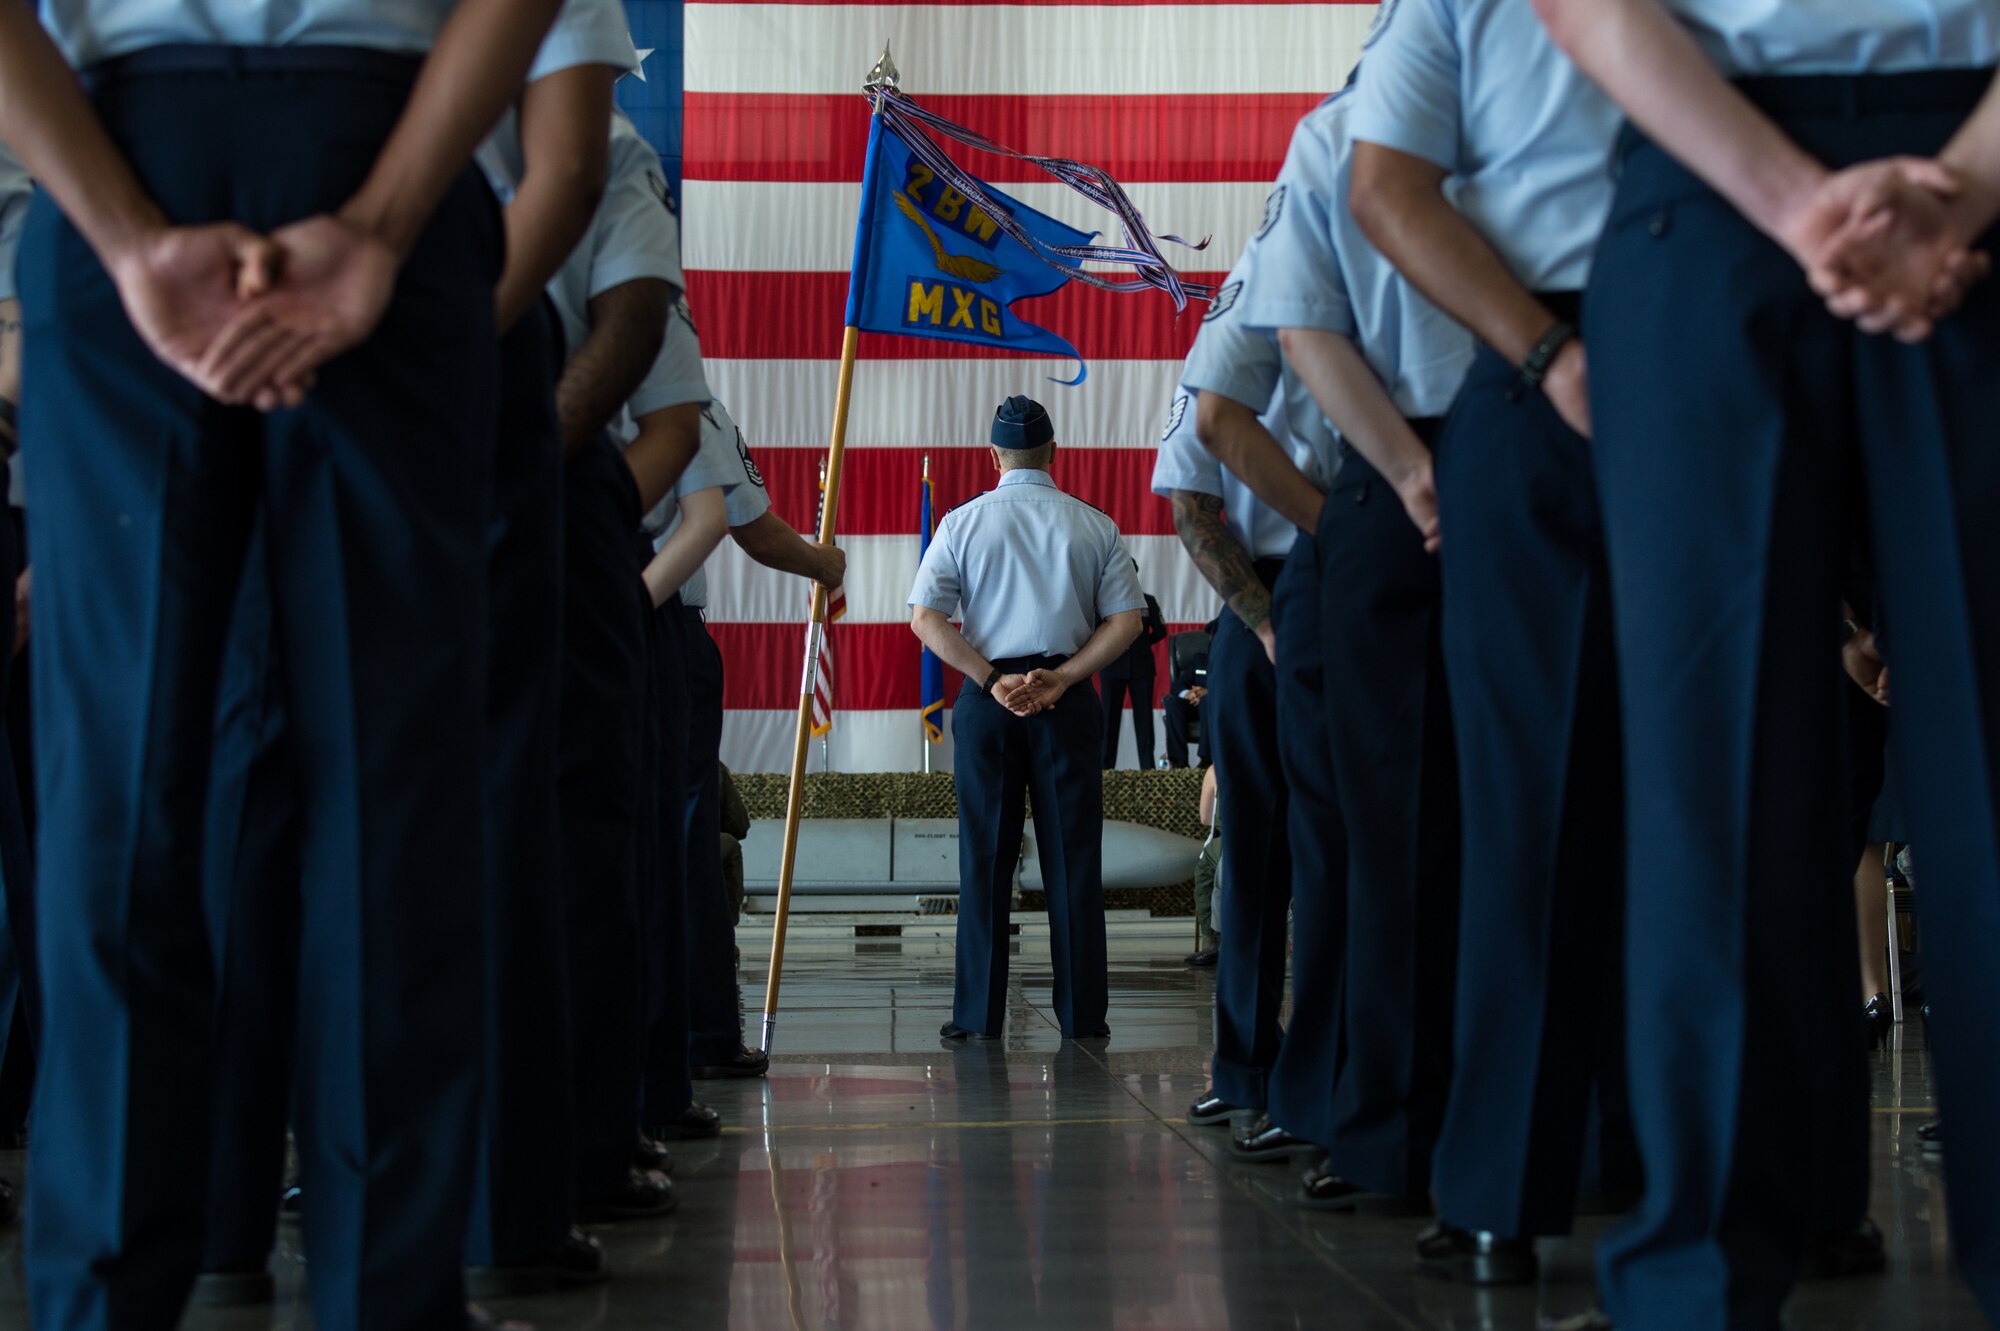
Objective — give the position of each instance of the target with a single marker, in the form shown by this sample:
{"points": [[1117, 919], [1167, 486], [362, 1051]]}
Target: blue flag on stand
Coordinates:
{"points": [[931, 699], [929, 262]]}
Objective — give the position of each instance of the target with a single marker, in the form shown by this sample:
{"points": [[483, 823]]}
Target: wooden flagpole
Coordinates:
{"points": [[802, 738]]}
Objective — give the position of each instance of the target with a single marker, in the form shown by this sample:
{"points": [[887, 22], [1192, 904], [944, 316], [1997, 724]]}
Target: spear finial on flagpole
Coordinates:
{"points": [[885, 74]]}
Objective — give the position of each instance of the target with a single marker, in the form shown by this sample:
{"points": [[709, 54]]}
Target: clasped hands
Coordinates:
{"points": [[1889, 243], [249, 318], [1026, 695]]}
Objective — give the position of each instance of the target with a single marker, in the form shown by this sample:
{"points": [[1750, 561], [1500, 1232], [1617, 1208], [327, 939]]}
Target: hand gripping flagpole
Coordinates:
{"points": [[882, 76]]}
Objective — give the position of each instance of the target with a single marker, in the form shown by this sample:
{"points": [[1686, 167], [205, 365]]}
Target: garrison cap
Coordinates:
{"points": [[1021, 423]]}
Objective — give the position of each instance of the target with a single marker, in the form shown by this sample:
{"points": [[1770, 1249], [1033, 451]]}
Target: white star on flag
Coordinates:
{"points": [[643, 53]]}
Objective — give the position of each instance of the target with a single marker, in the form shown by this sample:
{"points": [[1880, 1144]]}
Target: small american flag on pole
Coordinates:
{"points": [[836, 606]]}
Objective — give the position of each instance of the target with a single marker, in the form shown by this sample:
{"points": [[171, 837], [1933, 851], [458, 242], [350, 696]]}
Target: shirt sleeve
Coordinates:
{"points": [[586, 32], [1182, 463], [1118, 587], [939, 584], [1408, 95], [676, 376], [635, 234], [1228, 358], [1297, 282]]}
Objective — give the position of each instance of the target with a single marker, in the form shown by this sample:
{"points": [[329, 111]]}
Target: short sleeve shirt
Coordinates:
{"points": [[1034, 570], [89, 31], [1843, 36], [1478, 88], [1315, 269], [634, 235], [586, 32]]}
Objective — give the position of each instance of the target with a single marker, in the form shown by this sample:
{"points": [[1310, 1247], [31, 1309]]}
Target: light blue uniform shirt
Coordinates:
{"points": [[586, 32], [1036, 570], [1843, 36], [16, 188], [634, 235], [92, 30], [1244, 364], [1477, 87], [1315, 269], [722, 460]]}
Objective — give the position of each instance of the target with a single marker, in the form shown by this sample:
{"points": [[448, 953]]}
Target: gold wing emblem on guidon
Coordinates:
{"points": [[962, 266]]}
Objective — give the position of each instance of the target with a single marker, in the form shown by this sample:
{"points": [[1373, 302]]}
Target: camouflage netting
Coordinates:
{"points": [[1168, 800]]}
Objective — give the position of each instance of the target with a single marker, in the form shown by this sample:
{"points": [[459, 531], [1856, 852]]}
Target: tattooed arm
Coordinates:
{"points": [[1225, 563], [627, 325], [10, 374]]}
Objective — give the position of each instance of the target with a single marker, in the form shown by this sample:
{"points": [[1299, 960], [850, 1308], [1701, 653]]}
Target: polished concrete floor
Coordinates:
{"points": [[880, 1181]]}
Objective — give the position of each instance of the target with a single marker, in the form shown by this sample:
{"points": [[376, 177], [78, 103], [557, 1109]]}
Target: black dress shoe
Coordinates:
{"points": [[1605, 1203], [1212, 1111], [645, 1196], [579, 1260], [696, 1123], [651, 1154], [1594, 1320], [1208, 956], [233, 1289], [291, 1205], [478, 1319], [1262, 1142], [1098, 1032], [1879, 1016], [1854, 1252], [1476, 1257], [747, 1063], [1320, 1189], [951, 1030], [1929, 1138]]}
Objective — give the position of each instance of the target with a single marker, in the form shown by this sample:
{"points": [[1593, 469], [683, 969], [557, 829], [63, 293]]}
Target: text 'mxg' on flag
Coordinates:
{"points": [[930, 263]]}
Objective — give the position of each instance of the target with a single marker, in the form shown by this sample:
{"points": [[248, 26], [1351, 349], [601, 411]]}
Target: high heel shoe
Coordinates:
{"points": [[1879, 1016]]}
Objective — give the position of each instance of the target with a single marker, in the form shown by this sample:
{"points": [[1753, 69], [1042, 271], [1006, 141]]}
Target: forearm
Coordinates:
{"points": [[474, 69], [565, 152], [1974, 152], [938, 633], [1115, 634], [1232, 432], [627, 325], [660, 452], [704, 522], [770, 540], [1649, 64], [54, 130], [1354, 400], [1220, 557], [1399, 202]]}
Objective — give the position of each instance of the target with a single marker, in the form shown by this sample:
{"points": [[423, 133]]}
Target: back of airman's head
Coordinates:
{"points": [[1023, 436]]}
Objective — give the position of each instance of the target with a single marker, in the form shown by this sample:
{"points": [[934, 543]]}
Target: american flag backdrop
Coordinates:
{"points": [[1190, 106]]}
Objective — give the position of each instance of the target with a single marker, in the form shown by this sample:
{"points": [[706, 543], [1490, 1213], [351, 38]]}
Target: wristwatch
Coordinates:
{"points": [[1850, 630], [1535, 367], [991, 680]]}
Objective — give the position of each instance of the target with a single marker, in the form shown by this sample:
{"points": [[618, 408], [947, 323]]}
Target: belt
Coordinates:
{"points": [[1021, 665], [1427, 428], [195, 58], [1853, 95], [1565, 305]]}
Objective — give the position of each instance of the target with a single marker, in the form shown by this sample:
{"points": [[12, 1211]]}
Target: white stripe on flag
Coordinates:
{"points": [[933, 403], [1118, 50], [763, 226], [880, 570]]}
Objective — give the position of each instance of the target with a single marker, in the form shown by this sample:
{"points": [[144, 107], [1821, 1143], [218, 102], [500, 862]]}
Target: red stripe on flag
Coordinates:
{"points": [[794, 138], [799, 316], [878, 664], [1030, 4], [880, 495]]}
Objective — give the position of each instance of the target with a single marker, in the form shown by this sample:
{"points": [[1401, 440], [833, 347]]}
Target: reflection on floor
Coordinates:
{"points": [[881, 1181]]}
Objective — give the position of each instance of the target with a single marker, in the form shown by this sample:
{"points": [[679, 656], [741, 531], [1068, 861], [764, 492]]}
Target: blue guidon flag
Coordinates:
{"points": [[932, 263], [940, 253]]}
